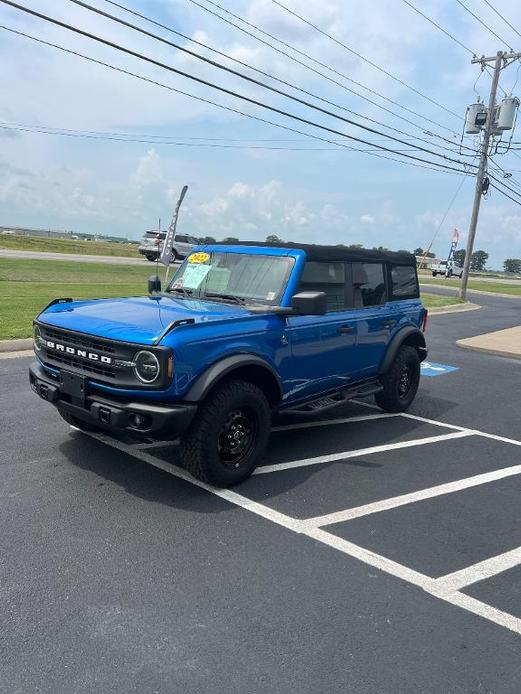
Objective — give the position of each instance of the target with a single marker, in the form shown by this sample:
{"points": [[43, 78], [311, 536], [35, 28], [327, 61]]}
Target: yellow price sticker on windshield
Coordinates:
{"points": [[198, 257]]}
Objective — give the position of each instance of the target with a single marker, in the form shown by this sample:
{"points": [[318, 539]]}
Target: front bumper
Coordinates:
{"points": [[145, 418]]}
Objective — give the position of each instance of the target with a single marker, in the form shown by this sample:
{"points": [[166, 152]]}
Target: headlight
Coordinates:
{"points": [[146, 366], [37, 338]]}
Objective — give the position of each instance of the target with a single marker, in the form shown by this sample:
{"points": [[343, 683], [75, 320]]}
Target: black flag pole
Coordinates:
{"points": [[166, 251]]}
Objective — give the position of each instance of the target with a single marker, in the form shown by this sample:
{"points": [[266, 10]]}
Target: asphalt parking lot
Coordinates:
{"points": [[370, 553]]}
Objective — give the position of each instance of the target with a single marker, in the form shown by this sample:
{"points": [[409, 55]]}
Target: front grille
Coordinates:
{"points": [[83, 341], [119, 372], [74, 364]]}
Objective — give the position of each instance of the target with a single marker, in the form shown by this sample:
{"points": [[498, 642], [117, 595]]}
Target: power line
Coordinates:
{"points": [[289, 84], [362, 57], [518, 202], [316, 62], [438, 167], [230, 92], [467, 9], [449, 208], [502, 17], [159, 140], [247, 77], [431, 21]]}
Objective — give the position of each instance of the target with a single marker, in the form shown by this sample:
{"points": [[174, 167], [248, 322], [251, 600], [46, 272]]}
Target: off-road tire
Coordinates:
{"points": [[434, 274], [151, 258], [200, 452], [391, 399], [77, 422]]}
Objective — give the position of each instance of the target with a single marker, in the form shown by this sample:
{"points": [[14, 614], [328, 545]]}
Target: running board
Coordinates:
{"points": [[329, 401]]}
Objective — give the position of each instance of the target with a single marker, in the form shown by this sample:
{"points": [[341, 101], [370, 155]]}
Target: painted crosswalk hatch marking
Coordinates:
{"points": [[431, 368]]}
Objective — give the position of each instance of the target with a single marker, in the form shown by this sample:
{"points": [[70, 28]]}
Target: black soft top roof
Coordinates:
{"points": [[339, 253]]}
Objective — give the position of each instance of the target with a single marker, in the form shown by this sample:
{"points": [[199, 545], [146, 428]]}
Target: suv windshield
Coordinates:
{"points": [[233, 277]]}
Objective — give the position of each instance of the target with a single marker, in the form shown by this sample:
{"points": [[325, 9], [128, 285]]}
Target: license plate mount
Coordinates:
{"points": [[73, 385]]}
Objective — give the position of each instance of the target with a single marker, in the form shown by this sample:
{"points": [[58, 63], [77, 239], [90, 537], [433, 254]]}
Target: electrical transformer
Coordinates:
{"points": [[475, 119], [507, 113]]}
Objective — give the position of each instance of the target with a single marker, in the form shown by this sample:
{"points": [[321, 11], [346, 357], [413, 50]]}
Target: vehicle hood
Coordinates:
{"points": [[135, 319]]}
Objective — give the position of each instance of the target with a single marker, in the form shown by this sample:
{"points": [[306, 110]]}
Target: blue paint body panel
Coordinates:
{"points": [[308, 353]]}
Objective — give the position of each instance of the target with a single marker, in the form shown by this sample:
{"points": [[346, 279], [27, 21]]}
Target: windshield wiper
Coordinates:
{"points": [[181, 290], [226, 297]]}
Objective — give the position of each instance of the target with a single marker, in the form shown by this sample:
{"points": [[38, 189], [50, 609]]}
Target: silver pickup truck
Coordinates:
{"points": [[447, 268]]}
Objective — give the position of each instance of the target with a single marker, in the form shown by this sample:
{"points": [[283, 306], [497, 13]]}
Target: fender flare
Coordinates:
{"points": [[215, 373], [409, 333]]}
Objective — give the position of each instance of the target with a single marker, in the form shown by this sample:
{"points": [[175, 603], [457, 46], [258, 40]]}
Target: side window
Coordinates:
{"points": [[404, 281], [368, 284], [326, 277], [181, 239], [193, 240]]}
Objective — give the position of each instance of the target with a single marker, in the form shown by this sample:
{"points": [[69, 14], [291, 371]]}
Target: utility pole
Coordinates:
{"points": [[500, 58]]}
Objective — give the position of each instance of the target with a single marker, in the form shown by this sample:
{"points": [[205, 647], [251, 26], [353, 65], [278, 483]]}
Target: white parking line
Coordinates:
{"points": [[428, 584], [478, 572], [439, 588], [412, 497], [227, 494], [344, 455]]}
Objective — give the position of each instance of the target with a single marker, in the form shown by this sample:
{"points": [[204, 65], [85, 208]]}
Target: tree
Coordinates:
{"points": [[207, 239], [273, 238], [478, 260], [418, 251], [512, 265], [459, 257], [230, 239]]}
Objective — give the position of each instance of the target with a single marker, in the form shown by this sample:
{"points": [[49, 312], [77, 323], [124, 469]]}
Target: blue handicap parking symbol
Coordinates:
{"points": [[430, 368]]}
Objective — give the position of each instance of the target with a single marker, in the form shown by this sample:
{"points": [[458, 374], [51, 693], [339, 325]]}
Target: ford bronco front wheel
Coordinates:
{"points": [[401, 382], [228, 435]]}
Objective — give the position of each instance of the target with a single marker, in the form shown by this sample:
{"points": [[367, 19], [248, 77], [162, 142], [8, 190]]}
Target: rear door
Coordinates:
{"points": [[375, 317]]}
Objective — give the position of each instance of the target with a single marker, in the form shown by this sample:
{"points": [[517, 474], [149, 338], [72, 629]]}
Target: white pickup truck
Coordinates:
{"points": [[447, 268]]}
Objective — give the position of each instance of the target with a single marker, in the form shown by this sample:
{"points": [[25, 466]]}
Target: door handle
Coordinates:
{"points": [[345, 329], [389, 323]]}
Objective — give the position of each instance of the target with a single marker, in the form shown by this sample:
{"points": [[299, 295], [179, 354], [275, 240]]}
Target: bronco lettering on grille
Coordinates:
{"points": [[83, 353]]}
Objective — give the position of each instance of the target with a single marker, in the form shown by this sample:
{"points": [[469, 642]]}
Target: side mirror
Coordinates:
{"points": [[309, 303], [154, 284]]}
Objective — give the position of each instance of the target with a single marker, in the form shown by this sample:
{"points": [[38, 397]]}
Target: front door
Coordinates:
{"points": [[322, 347]]}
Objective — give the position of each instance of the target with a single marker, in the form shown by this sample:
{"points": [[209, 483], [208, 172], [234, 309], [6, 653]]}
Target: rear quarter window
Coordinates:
{"points": [[404, 282]]}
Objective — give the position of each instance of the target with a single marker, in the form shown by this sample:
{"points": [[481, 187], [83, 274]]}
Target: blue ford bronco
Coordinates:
{"points": [[240, 333]]}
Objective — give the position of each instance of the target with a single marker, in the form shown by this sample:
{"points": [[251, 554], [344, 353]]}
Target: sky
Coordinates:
{"points": [[262, 178]]}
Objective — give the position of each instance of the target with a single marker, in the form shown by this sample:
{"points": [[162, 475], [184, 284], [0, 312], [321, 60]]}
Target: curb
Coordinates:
{"points": [[457, 308], [16, 345], [486, 350]]}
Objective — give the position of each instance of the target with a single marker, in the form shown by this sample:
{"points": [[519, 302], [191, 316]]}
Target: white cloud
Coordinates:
{"points": [[367, 219], [149, 170]]}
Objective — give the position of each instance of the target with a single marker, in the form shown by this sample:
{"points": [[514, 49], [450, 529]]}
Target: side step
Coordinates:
{"points": [[327, 402]]}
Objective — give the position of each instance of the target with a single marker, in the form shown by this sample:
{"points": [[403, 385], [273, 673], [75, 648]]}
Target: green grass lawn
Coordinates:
{"points": [[22, 242], [497, 288], [26, 286], [437, 301]]}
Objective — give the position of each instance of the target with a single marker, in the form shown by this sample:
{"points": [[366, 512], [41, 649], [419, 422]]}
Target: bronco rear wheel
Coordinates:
{"points": [[401, 382], [228, 435]]}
